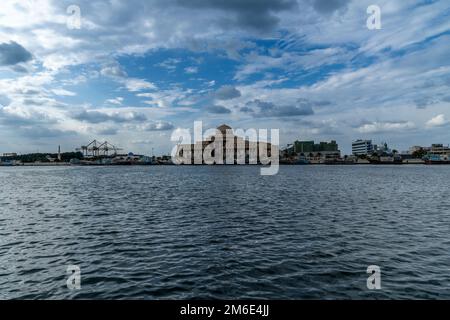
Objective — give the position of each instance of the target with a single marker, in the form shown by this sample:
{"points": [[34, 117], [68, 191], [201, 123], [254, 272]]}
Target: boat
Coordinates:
{"points": [[436, 159], [10, 163], [302, 160]]}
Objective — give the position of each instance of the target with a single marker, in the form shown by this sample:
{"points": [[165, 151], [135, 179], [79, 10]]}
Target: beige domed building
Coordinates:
{"points": [[235, 149]]}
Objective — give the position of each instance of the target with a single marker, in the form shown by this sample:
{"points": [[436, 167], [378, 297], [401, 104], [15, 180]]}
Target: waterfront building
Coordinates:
{"points": [[317, 152], [409, 157], [310, 146], [414, 149], [382, 149], [438, 154], [415, 154], [165, 159], [303, 146], [130, 158], [362, 147], [237, 146], [439, 149], [9, 155]]}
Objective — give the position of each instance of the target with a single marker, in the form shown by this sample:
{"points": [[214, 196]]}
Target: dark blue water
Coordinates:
{"points": [[225, 232]]}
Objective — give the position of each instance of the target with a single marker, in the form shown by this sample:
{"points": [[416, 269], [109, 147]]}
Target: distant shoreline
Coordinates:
{"points": [[207, 165]]}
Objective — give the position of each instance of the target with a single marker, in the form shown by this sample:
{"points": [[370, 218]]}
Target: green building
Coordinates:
{"points": [[303, 146], [310, 146]]}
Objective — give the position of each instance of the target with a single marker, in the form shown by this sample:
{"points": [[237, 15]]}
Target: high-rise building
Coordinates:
{"points": [[362, 147]]}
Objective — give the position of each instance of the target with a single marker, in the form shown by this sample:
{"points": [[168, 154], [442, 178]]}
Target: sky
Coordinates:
{"points": [[131, 72]]}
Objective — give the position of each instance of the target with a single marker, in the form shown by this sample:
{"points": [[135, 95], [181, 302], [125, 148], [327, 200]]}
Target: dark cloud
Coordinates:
{"points": [[108, 131], [13, 53], [4, 101], [247, 110], [34, 102], [290, 111], [33, 125], [19, 69], [260, 108], [329, 6], [424, 102], [227, 93], [99, 117], [159, 126], [31, 119], [40, 101], [27, 91], [217, 109], [36, 132], [257, 15]]}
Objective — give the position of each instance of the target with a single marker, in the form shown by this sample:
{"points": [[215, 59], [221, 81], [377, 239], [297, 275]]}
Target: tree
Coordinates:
{"points": [[419, 154]]}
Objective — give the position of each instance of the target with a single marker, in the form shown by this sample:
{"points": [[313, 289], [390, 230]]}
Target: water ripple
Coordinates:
{"points": [[224, 232]]}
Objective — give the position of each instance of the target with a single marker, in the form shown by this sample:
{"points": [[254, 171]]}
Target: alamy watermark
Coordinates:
{"points": [[74, 18], [74, 280], [224, 145], [374, 20], [374, 280]]}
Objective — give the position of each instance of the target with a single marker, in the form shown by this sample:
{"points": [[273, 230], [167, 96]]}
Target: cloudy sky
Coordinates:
{"points": [[136, 70]]}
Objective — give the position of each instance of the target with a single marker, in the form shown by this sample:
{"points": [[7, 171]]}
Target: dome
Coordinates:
{"points": [[223, 129]]}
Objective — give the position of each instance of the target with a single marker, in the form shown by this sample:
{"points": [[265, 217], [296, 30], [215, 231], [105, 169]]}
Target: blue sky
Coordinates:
{"points": [[135, 71]]}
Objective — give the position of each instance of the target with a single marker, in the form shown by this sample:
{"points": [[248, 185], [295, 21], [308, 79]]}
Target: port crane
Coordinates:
{"points": [[97, 149]]}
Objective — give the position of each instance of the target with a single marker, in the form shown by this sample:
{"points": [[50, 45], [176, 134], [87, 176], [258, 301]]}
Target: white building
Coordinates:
{"points": [[362, 147], [439, 149]]}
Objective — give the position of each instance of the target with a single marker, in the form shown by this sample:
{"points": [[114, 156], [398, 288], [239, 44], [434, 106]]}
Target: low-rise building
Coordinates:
{"points": [[9, 155], [439, 149], [129, 158]]}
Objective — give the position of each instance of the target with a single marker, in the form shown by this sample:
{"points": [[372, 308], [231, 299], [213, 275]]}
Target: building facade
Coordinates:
{"points": [[317, 152], [310, 146], [439, 149], [362, 147], [235, 149]]}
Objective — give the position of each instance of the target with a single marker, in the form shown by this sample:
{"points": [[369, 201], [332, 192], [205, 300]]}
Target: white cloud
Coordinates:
{"points": [[380, 127], [135, 85], [157, 126], [116, 101], [63, 92], [381, 75], [437, 121], [191, 70], [113, 70]]}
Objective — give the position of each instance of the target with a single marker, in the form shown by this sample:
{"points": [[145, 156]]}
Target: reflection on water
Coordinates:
{"points": [[225, 232]]}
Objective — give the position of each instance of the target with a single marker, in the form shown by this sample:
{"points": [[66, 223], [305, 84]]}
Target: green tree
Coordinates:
{"points": [[419, 154]]}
